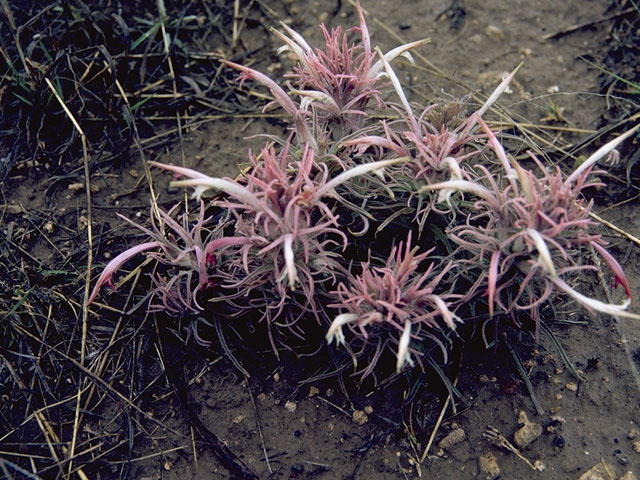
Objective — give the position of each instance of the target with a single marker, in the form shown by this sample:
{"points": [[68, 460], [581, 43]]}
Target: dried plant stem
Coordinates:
{"points": [[436, 427], [87, 285], [610, 225]]}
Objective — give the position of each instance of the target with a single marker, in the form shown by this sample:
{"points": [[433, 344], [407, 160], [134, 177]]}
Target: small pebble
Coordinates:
{"points": [[239, 419], [494, 33], [368, 409], [291, 406], [636, 446], [276, 377], [360, 417], [600, 471], [522, 418], [453, 438], [489, 466], [572, 386], [628, 476], [527, 433], [313, 391], [633, 434]]}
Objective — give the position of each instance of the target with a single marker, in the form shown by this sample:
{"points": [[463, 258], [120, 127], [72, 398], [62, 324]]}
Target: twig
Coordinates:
{"points": [[494, 436], [580, 26], [220, 450], [610, 225]]}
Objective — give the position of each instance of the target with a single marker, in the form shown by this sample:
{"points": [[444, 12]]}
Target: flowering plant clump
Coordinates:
{"points": [[384, 234], [401, 296]]}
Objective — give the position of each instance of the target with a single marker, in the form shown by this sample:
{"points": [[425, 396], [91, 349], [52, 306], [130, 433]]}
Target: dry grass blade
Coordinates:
{"points": [[87, 287]]}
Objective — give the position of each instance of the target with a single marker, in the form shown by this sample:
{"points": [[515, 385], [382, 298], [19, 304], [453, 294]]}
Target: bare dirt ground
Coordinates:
{"points": [[138, 422]]}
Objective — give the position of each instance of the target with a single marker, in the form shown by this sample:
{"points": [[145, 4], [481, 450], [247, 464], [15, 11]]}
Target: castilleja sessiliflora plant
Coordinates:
{"points": [[383, 233]]}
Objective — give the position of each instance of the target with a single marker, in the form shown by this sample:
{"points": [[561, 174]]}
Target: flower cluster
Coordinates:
{"points": [[386, 233]]}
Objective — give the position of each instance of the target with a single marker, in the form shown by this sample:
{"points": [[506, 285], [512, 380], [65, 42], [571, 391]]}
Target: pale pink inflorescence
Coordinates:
{"points": [[449, 223]]}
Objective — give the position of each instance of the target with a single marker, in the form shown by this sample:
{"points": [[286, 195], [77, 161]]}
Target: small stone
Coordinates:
{"points": [[453, 438], [525, 52], [558, 441], [555, 409], [494, 33], [572, 386], [74, 187], [291, 406], [368, 409], [555, 425], [633, 434], [262, 397], [483, 378], [95, 188], [522, 418], [48, 227], [313, 391], [276, 377], [636, 446], [527, 434], [489, 466], [628, 476], [239, 419], [600, 471], [360, 417], [133, 172]]}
